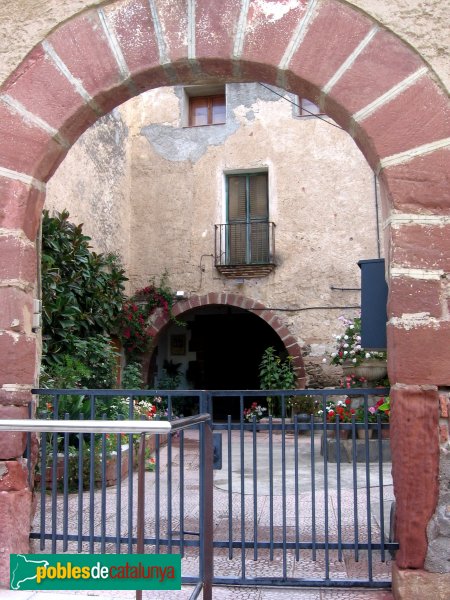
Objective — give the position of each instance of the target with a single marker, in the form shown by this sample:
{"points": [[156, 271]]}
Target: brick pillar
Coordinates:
{"points": [[18, 355], [15, 493]]}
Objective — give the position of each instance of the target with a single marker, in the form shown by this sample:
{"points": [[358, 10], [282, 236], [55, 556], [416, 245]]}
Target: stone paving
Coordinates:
{"points": [[219, 593], [261, 512]]}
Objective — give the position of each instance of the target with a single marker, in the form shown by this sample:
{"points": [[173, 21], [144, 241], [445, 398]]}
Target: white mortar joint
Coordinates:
{"points": [[395, 91], [33, 119], [396, 220], [408, 155], [17, 234], [74, 81], [410, 321], [298, 35], [23, 178], [429, 274]]}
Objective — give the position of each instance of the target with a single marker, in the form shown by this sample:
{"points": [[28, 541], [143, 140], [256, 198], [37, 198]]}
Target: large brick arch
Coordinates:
{"points": [[253, 306], [371, 83]]}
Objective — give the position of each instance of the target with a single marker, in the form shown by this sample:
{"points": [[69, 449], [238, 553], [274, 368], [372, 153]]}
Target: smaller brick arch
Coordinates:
{"points": [[253, 306]]}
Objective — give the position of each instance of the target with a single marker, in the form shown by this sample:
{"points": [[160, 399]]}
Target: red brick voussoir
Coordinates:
{"points": [[414, 423]]}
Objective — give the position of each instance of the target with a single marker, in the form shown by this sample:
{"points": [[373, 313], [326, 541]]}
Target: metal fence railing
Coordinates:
{"points": [[78, 511], [309, 500], [293, 502]]}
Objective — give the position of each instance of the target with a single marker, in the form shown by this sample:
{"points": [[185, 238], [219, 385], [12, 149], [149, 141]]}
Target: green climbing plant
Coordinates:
{"points": [[275, 373]]}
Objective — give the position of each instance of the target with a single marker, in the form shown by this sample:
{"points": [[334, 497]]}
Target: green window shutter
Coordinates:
{"points": [[248, 213], [258, 201], [237, 199]]}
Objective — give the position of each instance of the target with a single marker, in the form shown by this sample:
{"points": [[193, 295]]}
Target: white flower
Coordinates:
{"points": [[345, 352], [352, 352], [368, 355], [345, 337], [354, 360], [345, 346], [324, 360], [351, 327], [333, 354], [358, 338], [358, 347]]}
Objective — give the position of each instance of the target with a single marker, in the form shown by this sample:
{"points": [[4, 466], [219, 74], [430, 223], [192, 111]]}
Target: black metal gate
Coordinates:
{"points": [[294, 503], [304, 503]]}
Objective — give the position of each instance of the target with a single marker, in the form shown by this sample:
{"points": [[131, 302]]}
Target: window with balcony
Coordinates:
{"points": [[244, 244]]}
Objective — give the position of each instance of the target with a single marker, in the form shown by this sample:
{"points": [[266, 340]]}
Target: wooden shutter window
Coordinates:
{"points": [[248, 213], [207, 110]]}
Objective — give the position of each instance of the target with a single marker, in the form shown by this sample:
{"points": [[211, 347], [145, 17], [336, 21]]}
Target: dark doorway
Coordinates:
{"points": [[229, 347]]}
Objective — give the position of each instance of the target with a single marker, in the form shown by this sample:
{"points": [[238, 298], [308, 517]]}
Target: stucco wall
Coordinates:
{"points": [[423, 24], [92, 184], [170, 180]]}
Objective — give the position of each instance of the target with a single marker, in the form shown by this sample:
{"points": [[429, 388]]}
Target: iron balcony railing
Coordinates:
{"points": [[244, 243]]}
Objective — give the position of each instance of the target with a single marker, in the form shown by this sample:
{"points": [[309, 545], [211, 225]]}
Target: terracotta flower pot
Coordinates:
{"points": [[370, 369]]}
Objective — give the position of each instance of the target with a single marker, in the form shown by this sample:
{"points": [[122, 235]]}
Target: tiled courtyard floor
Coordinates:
{"points": [[219, 593], [261, 516]]}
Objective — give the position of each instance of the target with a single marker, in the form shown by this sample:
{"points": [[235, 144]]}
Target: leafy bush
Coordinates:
{"points": [[82, 291]]}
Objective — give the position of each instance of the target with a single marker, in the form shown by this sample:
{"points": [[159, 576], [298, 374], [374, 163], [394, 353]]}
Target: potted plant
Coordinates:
{"points": [[341, 409], [354, 359], [275, 373], [255, 411], [303, 407]]}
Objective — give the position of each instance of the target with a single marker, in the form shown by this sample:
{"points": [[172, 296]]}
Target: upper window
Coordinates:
{"points": [[248, 216], [307, 108], [207, 110]]}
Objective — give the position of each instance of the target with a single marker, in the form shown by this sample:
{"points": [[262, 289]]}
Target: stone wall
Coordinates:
{"points": [[438, 531]]}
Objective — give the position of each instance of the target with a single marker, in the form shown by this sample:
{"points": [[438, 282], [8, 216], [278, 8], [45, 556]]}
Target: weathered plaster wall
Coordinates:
{"points": [[321, 190], [423, 24], [92, 184]]}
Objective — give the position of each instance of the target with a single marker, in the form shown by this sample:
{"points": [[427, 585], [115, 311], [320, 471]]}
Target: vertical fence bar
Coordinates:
{"points": [[169, 479], [66, 487], [206, 487], [242, 463], [54, 477], [313, 494], [283, 482], [43, 487], [271, 487], [338, 488], [157, 494], [182, 493], [28, 447], [381, 494], [91, 479], [355, 492], [368, 501], [140, 517], [296, 506], [119, 485], [130, 482], [325, 491], [103, 493], [230, 490], [80, 486], [255, 493]]}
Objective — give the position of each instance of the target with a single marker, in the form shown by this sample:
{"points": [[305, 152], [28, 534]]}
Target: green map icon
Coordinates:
{"points": [[23, 569]]}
